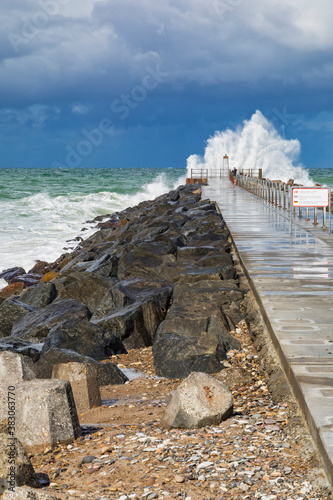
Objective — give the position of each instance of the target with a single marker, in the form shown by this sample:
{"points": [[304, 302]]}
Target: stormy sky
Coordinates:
{"points": [[135, 83]]}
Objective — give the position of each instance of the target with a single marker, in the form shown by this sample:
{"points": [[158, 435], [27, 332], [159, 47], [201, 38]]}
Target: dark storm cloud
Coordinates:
{"points": [[68, 64]]}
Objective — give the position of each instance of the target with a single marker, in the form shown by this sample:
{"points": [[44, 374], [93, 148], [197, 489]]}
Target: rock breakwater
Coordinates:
{"points": [[159, 274]]}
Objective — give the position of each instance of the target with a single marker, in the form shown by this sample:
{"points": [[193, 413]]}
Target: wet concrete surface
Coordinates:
{"points": [[292, 278]]}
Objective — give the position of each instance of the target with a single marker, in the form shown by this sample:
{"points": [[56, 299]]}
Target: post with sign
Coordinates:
{"points": [[313, 197]]}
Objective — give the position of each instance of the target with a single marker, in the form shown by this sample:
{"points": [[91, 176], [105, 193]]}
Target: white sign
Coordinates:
{"points": [[310, 197]]}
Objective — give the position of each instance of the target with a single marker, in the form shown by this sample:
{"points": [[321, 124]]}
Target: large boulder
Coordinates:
{"points": [[177, 356], [142, 306], [127, 324], [85, 338], [200, 400], [136, 324], [143, 260], [22, 347], [37, 324], [11, 273], [84, 286], [10, 311], [226, 295], [40, 295], [133, 290], [107, 373], [189, 253], [195, 336], [15, 466]]}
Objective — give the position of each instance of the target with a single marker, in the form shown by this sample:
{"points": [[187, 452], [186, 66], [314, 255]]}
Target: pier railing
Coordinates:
{"points": [[199, 173], [205, 173], [251, 172], [278, 194]]}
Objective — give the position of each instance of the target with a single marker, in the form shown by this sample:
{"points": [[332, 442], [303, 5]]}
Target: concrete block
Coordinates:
{"points": [[45, 414], [14, 368], [15, 466], [27, 494], [200, 400], [84, 383]]}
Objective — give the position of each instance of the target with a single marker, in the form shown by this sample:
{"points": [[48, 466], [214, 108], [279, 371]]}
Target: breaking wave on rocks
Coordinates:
{"points": [[43, 208], [254, 144]]}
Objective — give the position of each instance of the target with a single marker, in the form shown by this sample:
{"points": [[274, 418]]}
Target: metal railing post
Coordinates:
{"points": [[315, 223]]}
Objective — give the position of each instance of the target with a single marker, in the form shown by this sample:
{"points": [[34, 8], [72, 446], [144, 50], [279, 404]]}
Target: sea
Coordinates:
{"points": [[44, 209]]}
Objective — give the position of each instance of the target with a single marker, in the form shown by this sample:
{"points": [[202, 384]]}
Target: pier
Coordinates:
{"points": [[291, 276]]}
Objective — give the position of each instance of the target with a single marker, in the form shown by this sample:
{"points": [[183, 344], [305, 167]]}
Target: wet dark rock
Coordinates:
{"points": [[41, 267], [28, 279], [194, 253], [23, 347], [176, 356], [11, 310], [224, 294], [39, 296], [127, 292], [84, 338], [86, 287], [200, 328], [142, 262], [107, 373], [173, 195], [106, 266], [37, 324], [13, 272], [129, 325]]}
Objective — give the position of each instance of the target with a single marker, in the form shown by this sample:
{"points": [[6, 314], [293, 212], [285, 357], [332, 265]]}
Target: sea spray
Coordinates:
{"points": [[43, 208], [253, 145]]}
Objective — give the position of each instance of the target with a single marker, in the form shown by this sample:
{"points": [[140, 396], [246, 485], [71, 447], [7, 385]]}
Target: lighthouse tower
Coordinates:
{"points": [[225, 166]]}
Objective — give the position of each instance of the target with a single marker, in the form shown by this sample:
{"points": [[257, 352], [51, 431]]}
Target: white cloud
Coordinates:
{"points": [[97, 48]]}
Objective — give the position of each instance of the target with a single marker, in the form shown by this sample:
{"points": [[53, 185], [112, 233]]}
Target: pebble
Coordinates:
{"points": [[88, 459], [205, 465], [179, 479]]}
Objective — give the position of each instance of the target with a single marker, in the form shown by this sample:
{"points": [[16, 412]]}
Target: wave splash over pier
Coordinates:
{"points": [[254, 144]]}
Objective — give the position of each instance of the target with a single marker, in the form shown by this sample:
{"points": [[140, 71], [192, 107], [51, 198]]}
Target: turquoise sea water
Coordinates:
{"points": [[323, 176], [41, 209]]}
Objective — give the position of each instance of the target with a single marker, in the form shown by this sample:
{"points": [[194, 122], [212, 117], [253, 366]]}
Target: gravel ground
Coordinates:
{"points": [[124, 453]]}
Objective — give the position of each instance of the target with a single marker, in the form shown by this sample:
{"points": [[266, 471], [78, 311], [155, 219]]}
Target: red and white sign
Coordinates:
{"points": [[310, 197]]}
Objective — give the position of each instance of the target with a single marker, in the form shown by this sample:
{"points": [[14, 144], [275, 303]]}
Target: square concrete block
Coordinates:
{"points": [[14, 368], [45, 414], [27, 494], [83, 379]]}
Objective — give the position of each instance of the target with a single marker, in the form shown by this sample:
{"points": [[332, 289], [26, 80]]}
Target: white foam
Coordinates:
{"points": [[37, 226], [253, 145]]}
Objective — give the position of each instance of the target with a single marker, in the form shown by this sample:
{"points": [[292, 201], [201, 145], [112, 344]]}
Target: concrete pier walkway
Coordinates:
{"points": [[292, 278]]}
